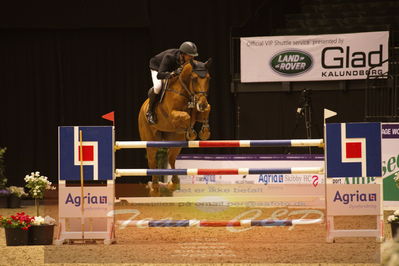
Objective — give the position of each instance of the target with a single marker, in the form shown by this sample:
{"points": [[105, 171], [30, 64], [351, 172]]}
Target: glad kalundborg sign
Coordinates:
{"points": [[313, 57]]}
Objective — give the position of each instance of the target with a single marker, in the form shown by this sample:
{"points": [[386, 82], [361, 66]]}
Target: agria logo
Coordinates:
{"points": [[292, 62]]}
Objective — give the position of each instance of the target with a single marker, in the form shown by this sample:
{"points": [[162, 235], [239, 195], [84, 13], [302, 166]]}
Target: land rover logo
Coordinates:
{"points": [[292, 62]]}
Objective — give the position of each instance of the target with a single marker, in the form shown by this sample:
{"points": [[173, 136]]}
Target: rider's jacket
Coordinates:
{"points": [[165, 62]]}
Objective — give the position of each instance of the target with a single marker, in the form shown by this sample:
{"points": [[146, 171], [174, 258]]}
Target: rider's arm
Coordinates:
{"points": [[166, 67]]}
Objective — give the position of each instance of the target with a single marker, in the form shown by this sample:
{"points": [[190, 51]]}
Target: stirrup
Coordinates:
{"points": [[151, 118]]}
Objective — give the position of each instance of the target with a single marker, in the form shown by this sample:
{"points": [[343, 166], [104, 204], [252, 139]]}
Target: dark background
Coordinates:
{"points": [[70, 62]]}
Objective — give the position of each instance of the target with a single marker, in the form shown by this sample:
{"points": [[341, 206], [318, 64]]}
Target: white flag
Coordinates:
{"points": [[329, 113]]}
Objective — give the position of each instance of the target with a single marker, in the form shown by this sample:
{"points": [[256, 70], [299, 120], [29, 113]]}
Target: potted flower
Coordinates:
{"points": [[42, 231], [16, 193], [16, 228], [394, 221], [37, 184], [4, 194]]}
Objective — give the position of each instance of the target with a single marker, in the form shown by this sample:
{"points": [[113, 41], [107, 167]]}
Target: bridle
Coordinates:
{"points": [[192, 95]]}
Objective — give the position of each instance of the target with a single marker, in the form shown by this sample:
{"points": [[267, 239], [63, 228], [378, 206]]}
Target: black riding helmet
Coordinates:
{"points": [[189, 48]]}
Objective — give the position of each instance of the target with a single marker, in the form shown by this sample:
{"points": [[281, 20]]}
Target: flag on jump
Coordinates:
{"points": [[329, 113], [110, 116]]}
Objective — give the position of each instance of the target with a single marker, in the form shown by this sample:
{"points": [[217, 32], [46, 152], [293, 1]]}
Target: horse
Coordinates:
{"points": [[183, 104]]}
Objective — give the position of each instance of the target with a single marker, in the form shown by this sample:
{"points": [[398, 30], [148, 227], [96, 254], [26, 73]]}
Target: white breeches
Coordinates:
{"points": [[156, 82]]}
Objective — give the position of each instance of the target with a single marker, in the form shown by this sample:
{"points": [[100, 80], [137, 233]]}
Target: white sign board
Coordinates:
{"points": [[313, 57]]}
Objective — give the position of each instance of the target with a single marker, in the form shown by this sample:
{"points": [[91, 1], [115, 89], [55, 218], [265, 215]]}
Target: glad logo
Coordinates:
{"points": [[292, 62]]}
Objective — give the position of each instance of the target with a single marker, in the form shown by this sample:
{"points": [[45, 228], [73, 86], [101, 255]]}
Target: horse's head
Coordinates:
{"points": [[195, 78]]}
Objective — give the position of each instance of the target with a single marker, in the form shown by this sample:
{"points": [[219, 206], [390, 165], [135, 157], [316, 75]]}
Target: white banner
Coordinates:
{"points": [[313, 57]]}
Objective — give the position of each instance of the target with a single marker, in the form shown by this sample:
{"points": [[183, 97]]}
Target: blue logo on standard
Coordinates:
{"points": [[353, 150]]}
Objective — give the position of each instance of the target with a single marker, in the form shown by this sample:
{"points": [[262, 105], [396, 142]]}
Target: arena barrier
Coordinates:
{"points": [[345, 153]]}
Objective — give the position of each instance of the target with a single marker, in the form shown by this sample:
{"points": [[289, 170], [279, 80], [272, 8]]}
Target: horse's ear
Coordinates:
{"points": [[208, 63], [186, 73]]}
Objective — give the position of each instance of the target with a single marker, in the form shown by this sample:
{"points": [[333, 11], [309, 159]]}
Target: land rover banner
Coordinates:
{"points": [[313, 57]]}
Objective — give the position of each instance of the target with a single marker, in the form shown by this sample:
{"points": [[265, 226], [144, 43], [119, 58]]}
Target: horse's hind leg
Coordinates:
{"points": [[152, 164], [172, 155]]}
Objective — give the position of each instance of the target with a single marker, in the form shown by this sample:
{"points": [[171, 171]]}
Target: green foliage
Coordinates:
{"points": [[3, 179]]}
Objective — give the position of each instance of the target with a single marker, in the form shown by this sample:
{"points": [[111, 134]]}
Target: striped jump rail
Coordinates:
{"points": [[219, 143], [199, 223], [225, 171]]}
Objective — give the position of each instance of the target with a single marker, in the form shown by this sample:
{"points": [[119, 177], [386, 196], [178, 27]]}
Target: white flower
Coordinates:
{"points": [[391, 218], [38, 220], [49, 220], [37, 173], [396, 213]]}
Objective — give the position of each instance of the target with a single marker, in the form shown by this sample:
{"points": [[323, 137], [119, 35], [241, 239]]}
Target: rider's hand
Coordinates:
{"points": [[178, 71]]}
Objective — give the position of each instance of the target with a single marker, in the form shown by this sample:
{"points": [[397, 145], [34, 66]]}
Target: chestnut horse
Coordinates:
{"points": [[184, 103]]}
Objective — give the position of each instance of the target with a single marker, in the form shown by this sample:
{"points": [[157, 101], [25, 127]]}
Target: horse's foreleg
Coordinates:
{"points": [[152, 164], [172, 155], [203, 117]]}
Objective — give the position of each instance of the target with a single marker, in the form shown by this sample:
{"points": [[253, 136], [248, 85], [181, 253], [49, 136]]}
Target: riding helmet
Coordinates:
{"points": [[189, 48]]}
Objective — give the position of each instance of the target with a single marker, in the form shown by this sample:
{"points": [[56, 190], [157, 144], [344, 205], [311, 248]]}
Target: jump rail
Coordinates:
{"points": [[224, 171], [219, 143], [199, 223]]}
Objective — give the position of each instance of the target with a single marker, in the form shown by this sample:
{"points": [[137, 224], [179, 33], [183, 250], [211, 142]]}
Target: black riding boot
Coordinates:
{"points": [[151, 116]]}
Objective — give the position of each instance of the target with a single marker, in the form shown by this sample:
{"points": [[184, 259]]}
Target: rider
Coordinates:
{"points": [[163, 66]]}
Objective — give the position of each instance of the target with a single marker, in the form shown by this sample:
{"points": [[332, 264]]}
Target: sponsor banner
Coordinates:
{"points": [[268, 190], [350, 199], [313, 57], [251, 161], [98, 201], [390, 163]]}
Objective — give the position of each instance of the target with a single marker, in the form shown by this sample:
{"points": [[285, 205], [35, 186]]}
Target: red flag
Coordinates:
{"points": [[109, 116]]}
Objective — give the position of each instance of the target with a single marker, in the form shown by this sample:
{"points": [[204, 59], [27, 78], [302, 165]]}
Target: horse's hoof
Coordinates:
{"points": [[191, 134], [153, 189], [173, 186], [204, 134]]}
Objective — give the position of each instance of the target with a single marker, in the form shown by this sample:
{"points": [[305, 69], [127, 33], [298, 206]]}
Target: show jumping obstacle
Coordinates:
{"points": [[219, 143], [199, 223], [223, 171], [100, 151]]}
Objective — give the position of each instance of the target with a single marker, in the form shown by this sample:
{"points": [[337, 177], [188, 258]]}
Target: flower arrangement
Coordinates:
{"points": [[394, 218], [20, 220], [17, 191], [4, 192], [39, 220], [37, 185]]}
